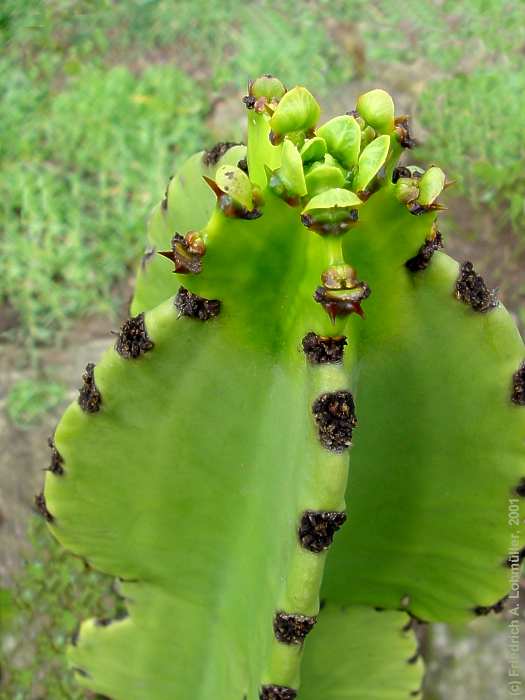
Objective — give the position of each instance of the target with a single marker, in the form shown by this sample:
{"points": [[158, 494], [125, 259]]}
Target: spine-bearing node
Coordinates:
{"points": [[89, 397], [194, 306], [472, 290], [334, 414], [321, 350], [317, 529], [292, 628], [186, 253]]}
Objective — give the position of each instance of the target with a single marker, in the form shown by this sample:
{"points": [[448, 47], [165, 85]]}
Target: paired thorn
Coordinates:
{"points": [[89, 397], [341, 292], [228, 206], [186, 253]]}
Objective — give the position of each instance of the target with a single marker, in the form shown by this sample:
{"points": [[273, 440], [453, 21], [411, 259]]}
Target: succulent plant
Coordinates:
{"points": [[306, 379]]}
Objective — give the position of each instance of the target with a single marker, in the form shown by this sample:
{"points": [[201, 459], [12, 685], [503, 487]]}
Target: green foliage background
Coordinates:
{"points": [[100, 102]]}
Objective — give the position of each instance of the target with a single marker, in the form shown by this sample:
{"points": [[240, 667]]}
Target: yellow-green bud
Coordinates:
{"points": [[343, 139], [298, 110], [377, 109], [431, 186], [267, 86]]}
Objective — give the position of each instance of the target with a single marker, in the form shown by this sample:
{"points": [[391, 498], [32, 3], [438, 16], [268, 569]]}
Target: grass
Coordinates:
{"points": [[485, 153], [99, 107], [102, 100], [40, 615], [30, 399]]}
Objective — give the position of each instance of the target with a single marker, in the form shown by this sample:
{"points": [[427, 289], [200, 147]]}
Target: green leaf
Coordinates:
{"points": [[336, 197], [268, 86], [236, 184], [356, 653], [431, 186], [313, 149], [298, 110], [321, 177], [343, 139], [291, 171], [371, 161]]}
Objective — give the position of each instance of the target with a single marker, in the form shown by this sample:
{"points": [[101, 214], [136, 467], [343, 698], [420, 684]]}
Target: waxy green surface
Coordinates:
{"points": [[191, 479]]}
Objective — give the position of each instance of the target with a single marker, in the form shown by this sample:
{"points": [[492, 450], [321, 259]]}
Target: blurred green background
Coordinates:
{"points": [[100, 102]]}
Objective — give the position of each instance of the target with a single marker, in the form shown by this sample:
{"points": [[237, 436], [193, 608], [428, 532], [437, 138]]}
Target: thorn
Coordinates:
{"points": [[186, 253], [213, 186]]}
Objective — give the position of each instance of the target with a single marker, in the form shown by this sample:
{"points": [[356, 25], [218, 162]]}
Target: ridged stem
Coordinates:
{"points": [[322, 490]]}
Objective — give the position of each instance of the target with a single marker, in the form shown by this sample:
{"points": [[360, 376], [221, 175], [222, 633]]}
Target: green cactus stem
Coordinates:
{"points": [[310, 398]]}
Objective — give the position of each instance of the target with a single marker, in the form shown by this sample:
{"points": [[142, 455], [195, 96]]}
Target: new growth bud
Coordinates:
{"points": [[407, 189], [267, 86], [186, 253], [264, 93], [370, 163], [341, 293], [288, 181], [343, 139], [313, 149], [298, 110], [235, 193], [377, 109], [431, 186]]}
